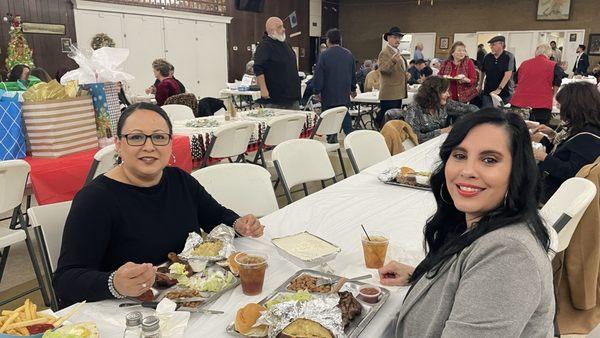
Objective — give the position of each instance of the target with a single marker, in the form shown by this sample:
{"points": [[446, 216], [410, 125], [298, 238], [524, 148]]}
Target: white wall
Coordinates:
{"points": [[196, 44]]}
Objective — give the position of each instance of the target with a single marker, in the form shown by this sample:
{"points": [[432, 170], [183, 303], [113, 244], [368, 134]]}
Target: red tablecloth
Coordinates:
{"points": [[59, 179]]}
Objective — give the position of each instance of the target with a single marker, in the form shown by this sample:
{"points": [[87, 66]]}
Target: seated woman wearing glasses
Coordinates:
{"points": [[126, 221], [486, 272]]}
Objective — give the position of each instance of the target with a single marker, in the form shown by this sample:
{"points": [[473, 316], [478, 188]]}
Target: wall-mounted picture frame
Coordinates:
{"points": [[553, 10], [573, 37], [444, 42], [65, 44], [594, 44]]}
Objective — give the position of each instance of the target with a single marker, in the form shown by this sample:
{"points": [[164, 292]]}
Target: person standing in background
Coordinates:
{"points": [[582, 61], [463, 86], [538, 80], [556, 53], [393, 68], [498, 68], [418, 55], [334, 81], [275, 68], [481, 52]]}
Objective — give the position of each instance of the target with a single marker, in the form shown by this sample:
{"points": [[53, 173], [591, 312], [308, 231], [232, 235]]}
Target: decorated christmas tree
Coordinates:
{"points": [[18, 52]]}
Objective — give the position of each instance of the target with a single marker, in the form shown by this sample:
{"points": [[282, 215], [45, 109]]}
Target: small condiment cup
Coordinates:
{"points": [[366, 296], [198, 264]]}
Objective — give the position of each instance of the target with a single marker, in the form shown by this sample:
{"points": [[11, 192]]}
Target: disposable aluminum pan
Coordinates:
{"points": [[306, 263]]}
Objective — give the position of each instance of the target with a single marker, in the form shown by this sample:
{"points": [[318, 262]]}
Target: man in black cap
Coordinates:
{"points": [[498, 67], [392, 67], [582, 61]]}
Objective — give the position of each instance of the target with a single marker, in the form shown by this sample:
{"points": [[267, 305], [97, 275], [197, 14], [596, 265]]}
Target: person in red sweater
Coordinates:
{"points": [[167, 86], [537, 80], [461, 71]]}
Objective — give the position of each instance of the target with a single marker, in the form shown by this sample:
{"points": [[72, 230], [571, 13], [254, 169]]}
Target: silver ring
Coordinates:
{"points": [[144, 285]]}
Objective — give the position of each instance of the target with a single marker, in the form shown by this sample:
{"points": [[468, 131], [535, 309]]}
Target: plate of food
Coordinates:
{"points": [[178, 281], [26, 321], [291, 311], [456, 78], [407, 177], [305, 249]]}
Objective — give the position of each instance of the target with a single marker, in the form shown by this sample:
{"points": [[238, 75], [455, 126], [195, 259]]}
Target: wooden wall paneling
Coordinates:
{"points": [[46, 47], [247, 28]]}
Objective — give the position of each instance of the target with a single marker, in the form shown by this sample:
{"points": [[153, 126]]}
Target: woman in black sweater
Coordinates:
{"points": [[579, 142], [126, 221]]}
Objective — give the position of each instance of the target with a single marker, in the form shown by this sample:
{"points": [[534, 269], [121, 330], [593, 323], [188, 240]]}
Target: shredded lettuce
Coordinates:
{"points": [[215, 282]]}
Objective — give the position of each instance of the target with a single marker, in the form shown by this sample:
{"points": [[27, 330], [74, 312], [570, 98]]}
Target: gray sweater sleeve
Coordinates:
{"points": [[498, 292]]}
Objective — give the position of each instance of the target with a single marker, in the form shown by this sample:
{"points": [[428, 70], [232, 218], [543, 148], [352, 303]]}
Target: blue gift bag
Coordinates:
{"points": [[12, 141]]}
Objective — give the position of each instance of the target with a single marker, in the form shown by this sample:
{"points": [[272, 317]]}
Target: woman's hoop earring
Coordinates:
{"points": [[174, 159], [442, 195]]}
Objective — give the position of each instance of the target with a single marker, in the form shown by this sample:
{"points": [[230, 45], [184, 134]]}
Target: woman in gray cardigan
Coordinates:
{"points": [[486, 272]]}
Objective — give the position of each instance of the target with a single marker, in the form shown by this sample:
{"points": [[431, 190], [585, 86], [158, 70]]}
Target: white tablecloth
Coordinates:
{"points": [[198, 134], [255, 94], [373, 98], [335, 214]]}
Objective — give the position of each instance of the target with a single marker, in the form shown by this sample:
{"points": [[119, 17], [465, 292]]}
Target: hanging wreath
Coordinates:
{"points": [[102, 40]]}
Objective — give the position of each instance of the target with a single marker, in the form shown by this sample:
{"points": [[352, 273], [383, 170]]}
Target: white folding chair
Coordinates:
{"points": [[300, 161], [330, 123], [48, 222], [104, 160], [230, 140], [279, 129], [365, 148], [13, 178], [177, 112], [242, 187], [564, 209]]}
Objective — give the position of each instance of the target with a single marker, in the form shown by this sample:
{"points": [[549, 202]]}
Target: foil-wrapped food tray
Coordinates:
{"points": [[356, 326]]}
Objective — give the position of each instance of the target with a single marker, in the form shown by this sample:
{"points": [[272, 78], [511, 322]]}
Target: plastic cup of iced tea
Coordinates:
{"points": [[252, 266], [375, 249]]}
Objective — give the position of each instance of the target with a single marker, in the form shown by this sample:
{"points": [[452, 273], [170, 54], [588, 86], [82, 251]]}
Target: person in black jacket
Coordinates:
{"points": [[275, 68], [125, 222], [578, 145], [582, 61]]}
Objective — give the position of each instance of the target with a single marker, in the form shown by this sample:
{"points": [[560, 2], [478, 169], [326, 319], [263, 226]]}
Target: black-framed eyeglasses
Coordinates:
{"points": [[139, 139]]}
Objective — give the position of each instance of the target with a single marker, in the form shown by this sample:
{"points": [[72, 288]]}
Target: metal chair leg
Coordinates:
{"points": [[305, 189], [46, 266], [276, 184], [34, 262], [3, 260], [342, 163]]}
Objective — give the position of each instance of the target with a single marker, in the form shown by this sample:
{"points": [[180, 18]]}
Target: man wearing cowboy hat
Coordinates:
{"points": [[392, 67]]}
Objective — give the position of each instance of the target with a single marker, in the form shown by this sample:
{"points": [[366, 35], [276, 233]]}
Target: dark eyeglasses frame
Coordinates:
{"points": [[146, 137]]}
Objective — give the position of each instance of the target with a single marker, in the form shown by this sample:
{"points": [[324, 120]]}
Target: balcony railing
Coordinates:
{"points": [[215, 7]]}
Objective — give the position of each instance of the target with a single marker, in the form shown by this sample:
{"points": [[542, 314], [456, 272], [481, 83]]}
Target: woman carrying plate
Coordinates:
{"points": [[433, 112], [487, 271], [126, 221], [463, 86]]}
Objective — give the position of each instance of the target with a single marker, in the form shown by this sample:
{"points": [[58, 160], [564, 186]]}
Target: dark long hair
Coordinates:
{"points": [[579, 106], [444, 232], [15, 72], [429, 92]]}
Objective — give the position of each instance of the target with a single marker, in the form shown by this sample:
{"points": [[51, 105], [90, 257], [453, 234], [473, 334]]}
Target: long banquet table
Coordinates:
{"points": [[334, 213]]}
